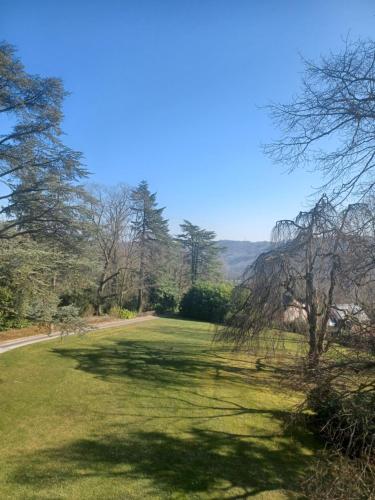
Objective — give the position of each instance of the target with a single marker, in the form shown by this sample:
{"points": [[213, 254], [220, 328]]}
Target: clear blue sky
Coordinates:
{"points": [[169, 91]]}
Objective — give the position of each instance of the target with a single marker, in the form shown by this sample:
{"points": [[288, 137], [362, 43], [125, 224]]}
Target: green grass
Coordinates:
{"points": [[153, 410]]}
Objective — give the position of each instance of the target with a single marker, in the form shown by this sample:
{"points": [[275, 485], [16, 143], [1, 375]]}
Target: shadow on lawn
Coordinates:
{"points": [[222, 464], [197, 462], [191, 405], [163, 363]]}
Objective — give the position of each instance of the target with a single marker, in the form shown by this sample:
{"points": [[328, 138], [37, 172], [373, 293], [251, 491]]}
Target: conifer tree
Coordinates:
{"points": [[40, 172], [150, 235], [201, 251]]}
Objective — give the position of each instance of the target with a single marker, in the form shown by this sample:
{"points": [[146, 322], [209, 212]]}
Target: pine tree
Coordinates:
{"points": [[150, 234], [201, 251]]}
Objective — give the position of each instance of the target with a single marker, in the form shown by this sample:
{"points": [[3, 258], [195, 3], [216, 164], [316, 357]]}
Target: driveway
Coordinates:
{"points": [[14, 344]]}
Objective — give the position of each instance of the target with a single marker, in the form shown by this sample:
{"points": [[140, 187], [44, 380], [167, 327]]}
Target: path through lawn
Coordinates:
{"points": [[147, 411]]}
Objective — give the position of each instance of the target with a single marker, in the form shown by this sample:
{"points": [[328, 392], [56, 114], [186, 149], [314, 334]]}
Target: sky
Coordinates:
{"points": [[173, 92]]}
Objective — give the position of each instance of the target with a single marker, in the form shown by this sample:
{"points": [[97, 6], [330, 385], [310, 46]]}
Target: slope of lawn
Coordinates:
{"points": [[153, 410]]}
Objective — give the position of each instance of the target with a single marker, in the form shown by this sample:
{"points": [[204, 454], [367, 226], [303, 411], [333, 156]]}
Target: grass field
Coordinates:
{"points": [[148, 411]]}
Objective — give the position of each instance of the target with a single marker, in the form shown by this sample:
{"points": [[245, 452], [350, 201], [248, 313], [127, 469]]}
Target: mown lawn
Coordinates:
{"points": [[147, 411]]}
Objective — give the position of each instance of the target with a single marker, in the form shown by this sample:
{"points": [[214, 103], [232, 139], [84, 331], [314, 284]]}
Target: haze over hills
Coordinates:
{"points": [[237, 255]]}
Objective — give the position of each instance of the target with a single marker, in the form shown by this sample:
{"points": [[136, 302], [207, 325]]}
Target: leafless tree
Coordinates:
{"points": [[320, 256], [330, 125], [110, 215]]}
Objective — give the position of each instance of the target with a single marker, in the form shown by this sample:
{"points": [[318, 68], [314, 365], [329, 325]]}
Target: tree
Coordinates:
{"points": [[39, 172], [170, 280], [33, 277], [150, 235], [201, 251], [330, 125], [110, 218], [320, 255]]}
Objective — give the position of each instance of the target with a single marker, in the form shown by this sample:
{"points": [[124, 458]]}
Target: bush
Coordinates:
{"points": [[345, 418], [67, 320], [120, 313], [336, 477], [207, 302], [166, 303]]}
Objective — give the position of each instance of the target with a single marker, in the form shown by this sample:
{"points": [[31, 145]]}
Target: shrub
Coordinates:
{"points": [[67, 320], [334, 476], [345, 417], [207, 302], [119, 312], [166, 303]]}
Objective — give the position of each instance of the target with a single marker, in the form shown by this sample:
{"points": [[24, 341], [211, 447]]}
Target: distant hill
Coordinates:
{"points": [[237, 255]]}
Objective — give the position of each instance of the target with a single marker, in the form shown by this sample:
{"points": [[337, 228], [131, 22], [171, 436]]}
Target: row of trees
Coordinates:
{"points": [[139, 259], [65, 244]]}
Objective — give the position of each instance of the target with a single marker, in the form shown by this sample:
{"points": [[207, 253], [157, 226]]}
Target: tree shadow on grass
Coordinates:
{"points": [[219, 464], [194, 463], [162, 363]]}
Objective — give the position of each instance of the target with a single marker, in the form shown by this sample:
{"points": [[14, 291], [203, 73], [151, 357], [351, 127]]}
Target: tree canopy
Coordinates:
{"points": [[40, 174]]}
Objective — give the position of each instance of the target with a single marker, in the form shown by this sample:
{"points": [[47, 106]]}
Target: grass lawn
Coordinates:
{"points": [[152, 410]]}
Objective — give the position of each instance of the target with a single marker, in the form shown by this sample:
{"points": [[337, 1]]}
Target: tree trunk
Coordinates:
{"points": [[140, 300], [311, 307], [313, 343], [141, 285]]}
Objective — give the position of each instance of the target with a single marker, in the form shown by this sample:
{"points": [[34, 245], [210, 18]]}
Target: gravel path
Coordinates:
{"points": [[14, 344]]}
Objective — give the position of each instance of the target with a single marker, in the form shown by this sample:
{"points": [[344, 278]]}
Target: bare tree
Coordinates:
{"points": [[319, 255], [110, 215], [330, 125]]}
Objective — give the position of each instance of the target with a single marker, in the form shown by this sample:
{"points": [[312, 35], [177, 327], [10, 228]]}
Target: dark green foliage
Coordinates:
{"points": [[82, 299], [150, 235], [166, 301], [33, 277], [201, 252], [8, 311], [207, 302], [40, 172]]}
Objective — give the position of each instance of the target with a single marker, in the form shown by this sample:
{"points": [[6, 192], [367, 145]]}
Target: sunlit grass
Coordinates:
{"points": [[153, 410]]}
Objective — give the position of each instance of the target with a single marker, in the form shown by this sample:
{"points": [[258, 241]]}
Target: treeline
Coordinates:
{"points": [[69, 249]]}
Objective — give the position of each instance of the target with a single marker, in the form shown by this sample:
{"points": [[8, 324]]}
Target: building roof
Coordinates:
{"points": [[348, 311]]}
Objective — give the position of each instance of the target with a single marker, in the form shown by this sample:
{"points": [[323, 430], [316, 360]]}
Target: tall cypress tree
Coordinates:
{"points": [[150, 233]]}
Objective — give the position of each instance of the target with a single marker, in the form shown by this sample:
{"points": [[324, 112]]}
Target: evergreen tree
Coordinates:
{"points": [[40, 172], [201, 251], [150, 235]]}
